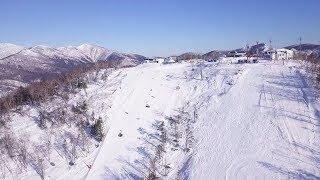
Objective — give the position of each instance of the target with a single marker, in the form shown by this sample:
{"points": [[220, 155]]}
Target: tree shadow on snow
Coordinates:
{"points": [[125, 174], [149, 160], [139, 167], [289, 87], [292, 88], [298, 174], [183, 173]]}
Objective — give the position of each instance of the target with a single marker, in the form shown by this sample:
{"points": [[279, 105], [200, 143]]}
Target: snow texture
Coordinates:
{"points": [[249, 121]]}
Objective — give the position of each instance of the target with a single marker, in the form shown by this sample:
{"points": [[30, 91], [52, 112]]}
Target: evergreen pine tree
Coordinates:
{"points": [[97, 130]]}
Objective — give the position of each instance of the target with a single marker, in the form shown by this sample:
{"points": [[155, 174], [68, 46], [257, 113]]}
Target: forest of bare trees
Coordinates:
{"points": [[42, 91], [312, 66], [68, 130]]}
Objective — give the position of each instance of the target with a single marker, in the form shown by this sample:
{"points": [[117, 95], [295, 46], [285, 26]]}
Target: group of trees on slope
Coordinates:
{"points": [[312, 65], [43, 90], [69, 129]]}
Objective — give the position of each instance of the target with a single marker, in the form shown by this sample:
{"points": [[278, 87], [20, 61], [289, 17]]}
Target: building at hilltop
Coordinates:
{"points": [[169, 60], [155, 60], [281, 54]]}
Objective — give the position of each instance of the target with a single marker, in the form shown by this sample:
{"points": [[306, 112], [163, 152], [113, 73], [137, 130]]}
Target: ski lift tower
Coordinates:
{"points": [[247, 51], [300, 39], [258, 53]]}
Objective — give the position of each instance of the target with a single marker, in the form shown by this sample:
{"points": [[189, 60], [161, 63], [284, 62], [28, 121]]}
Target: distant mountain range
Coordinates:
{"points": [[262, 47], [306, 48], [22, 65], [215, 54]]}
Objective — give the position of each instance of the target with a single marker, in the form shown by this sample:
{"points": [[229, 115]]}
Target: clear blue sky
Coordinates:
{"points": [[159, 27]]}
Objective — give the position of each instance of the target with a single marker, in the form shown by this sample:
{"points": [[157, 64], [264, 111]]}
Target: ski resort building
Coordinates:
{"points": [[282, 54], [159, 60], [148, 60], [155, 60], [236, 54], [169, 60]]}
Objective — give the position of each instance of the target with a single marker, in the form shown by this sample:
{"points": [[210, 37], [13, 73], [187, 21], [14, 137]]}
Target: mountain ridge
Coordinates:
{"points": [[22, 65]]}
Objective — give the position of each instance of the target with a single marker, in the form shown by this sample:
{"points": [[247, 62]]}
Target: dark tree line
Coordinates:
{"points": [[42, 91]]}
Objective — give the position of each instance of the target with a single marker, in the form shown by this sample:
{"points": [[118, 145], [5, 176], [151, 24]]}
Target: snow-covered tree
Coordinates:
{"points": [[98, 130]]}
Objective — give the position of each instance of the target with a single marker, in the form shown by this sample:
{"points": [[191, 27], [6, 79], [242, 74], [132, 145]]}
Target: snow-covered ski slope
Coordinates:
{"points": [[248, 121], [255, 121], [265, 127]]}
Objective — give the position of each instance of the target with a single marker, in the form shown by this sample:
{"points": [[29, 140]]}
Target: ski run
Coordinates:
{"points": [[194, 121]]}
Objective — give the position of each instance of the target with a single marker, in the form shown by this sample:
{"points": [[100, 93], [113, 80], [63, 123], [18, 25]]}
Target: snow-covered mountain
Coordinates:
{"points": [[7, 49], [213, 55], [95, 53], [20, 65], [189, 55], [306, 48], [261, 47], [216, 54]]}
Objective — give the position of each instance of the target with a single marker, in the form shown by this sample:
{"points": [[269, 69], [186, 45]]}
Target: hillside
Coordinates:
{"points": [[304, 47], [218, 54], [183, 120], [21, 65], [189, 56], [7, 50], [309, 49]]}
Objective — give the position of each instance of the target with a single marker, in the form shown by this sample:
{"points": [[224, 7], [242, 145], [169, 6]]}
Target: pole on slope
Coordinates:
{"points": [[258, 53], [201, 68], [300, 39], [247, 52], [270, 44]]}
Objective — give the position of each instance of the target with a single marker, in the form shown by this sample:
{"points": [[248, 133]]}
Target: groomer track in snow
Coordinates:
{"points": [[266, 126]]}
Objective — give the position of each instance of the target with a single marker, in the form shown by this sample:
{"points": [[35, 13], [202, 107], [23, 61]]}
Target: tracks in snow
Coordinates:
{"points": [[251, 129]]}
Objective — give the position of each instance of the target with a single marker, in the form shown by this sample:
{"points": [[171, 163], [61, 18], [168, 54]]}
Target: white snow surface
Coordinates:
{"points": [[72, 52], [95, 53], [7, 49], [47, 51], [254, 121]]}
